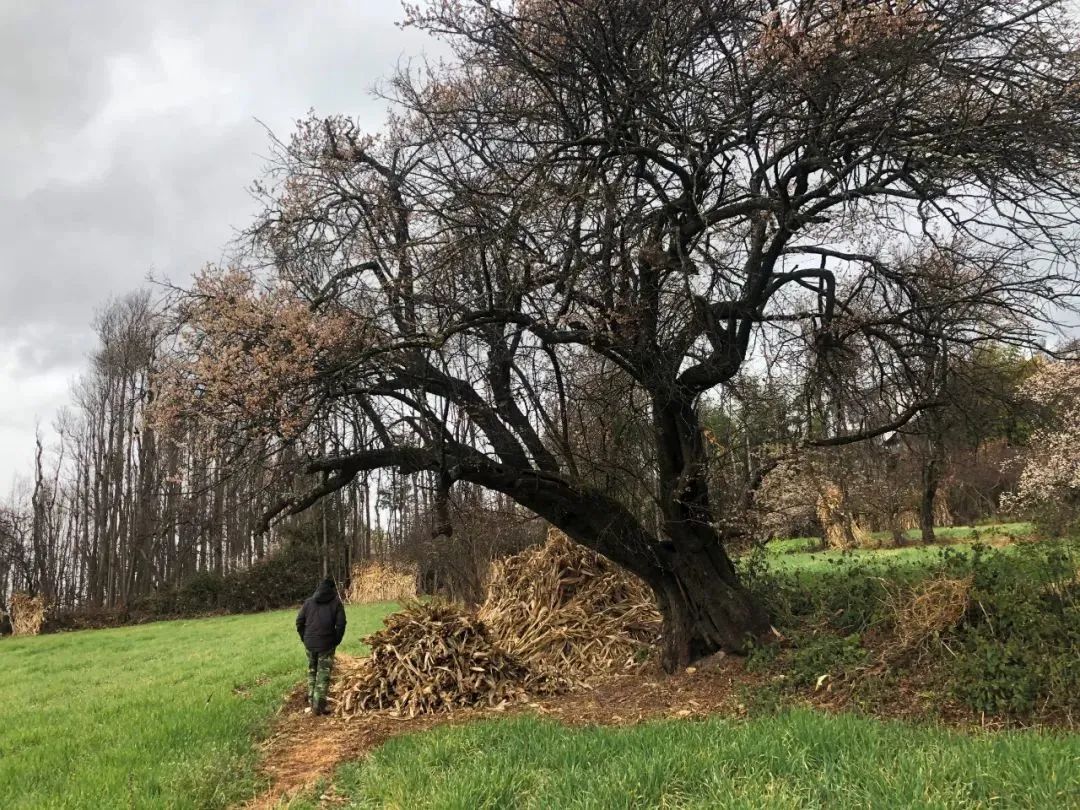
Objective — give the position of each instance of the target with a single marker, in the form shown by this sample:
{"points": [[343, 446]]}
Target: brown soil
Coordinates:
{"points": [[304, 749]]}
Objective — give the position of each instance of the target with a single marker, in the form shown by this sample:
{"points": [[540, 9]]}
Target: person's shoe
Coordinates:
{"points": [[320, 708]]}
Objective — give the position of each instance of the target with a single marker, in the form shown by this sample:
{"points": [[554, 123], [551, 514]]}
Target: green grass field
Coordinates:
{"points": [[947, 534], [804, 554], [166, 715], [159, 715], [793, 760]]}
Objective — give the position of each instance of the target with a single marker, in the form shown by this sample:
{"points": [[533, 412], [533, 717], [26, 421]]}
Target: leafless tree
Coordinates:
{"points": [[669, 186]]}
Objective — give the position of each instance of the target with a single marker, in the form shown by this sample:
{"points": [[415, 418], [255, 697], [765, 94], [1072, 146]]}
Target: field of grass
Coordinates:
{"points": [[164, 715], [159, 715], [805, 554], [791, 760], [949, 534]]}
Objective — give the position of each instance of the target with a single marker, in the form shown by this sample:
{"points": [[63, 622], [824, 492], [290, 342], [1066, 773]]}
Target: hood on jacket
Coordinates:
{"points": [[325, 592]]}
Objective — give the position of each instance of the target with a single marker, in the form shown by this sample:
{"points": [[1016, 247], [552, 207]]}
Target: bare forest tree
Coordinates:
{"points": [[670, 186], [111, 513]]}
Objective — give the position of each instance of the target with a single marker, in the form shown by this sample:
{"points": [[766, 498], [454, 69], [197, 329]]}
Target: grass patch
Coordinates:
{"points": [[911, 557], [948, 534], [158, 715], [983, 531], [794, 759], [794, 545]]}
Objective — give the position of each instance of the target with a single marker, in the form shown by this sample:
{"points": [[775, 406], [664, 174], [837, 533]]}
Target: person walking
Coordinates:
{"points": [[321, 626]]}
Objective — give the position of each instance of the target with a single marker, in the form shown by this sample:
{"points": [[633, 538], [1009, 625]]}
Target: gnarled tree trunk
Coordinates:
{"points": [[705, 608]]}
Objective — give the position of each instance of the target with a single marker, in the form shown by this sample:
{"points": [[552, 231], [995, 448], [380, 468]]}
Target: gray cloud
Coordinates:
{"points": [[131, 136]]}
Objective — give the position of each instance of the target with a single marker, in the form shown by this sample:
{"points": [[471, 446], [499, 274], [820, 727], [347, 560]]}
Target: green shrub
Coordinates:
{"points": [[200, 594], [848, 597], [284, 578], [1017, 650], [1014, 652], [824, 655]]}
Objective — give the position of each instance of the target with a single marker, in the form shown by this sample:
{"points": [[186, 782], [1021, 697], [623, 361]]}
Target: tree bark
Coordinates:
{"points": [[929, 496], [931, 479], [705, 608]]}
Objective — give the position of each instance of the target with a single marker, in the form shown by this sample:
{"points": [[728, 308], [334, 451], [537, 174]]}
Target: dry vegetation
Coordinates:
{"points": [[27, 614], [841, 528], [374, 581], [555, 616], [564, 607], [923, 612], [430, 657]]}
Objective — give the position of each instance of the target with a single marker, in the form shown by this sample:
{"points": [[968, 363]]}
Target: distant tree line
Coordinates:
{"points": [[109, 512]]}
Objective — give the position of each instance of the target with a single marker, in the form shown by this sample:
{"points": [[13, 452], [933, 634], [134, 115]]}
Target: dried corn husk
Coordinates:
{"points": [[27, 614], [841, 528], [374, 581], [431, 657], [565, 609], [554, 616]]}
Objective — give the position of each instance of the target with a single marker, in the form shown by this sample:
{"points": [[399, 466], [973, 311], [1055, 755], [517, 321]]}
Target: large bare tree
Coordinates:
{"points": [[663, 183]]}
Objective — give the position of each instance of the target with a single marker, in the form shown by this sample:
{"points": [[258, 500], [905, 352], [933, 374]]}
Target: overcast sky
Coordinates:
{"points": [[129, 142]]}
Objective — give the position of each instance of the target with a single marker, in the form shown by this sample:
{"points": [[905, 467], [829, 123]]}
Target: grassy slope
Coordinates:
{"points": [[159, 715], [989, 531], [800, 554], [796, 759]]}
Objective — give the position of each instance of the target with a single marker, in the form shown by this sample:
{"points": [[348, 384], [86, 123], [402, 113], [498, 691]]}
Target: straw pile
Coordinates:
{"points": [[374, 581], [431, 657], [909, 518], [924, 612], [554, 616], [841, 528], [563, 608], [27, 614]]}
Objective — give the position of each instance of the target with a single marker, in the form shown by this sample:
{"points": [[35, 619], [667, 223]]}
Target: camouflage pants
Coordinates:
{"points": [[319, 665]]}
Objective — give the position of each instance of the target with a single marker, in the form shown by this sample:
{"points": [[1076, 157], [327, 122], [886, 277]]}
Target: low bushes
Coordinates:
{"points": [[285, 577], [1018, 650], [995, 631]]}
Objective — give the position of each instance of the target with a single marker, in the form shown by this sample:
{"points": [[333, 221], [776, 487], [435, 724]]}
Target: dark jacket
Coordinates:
{"points": [[321, 620]]}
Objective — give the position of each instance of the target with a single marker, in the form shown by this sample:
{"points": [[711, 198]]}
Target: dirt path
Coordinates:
{"points": [[304, 749]]}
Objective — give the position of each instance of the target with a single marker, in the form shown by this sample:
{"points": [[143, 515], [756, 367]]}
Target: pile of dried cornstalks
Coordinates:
{"points": [[564, 609], [841, 528], [27, 614], [554, 616], [925, 611], [431, 657], [374, 581], [909, 518]]}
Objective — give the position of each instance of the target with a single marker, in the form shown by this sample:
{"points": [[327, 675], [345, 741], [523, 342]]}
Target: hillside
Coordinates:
{"points": [[158, 715], [172, 714]]}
